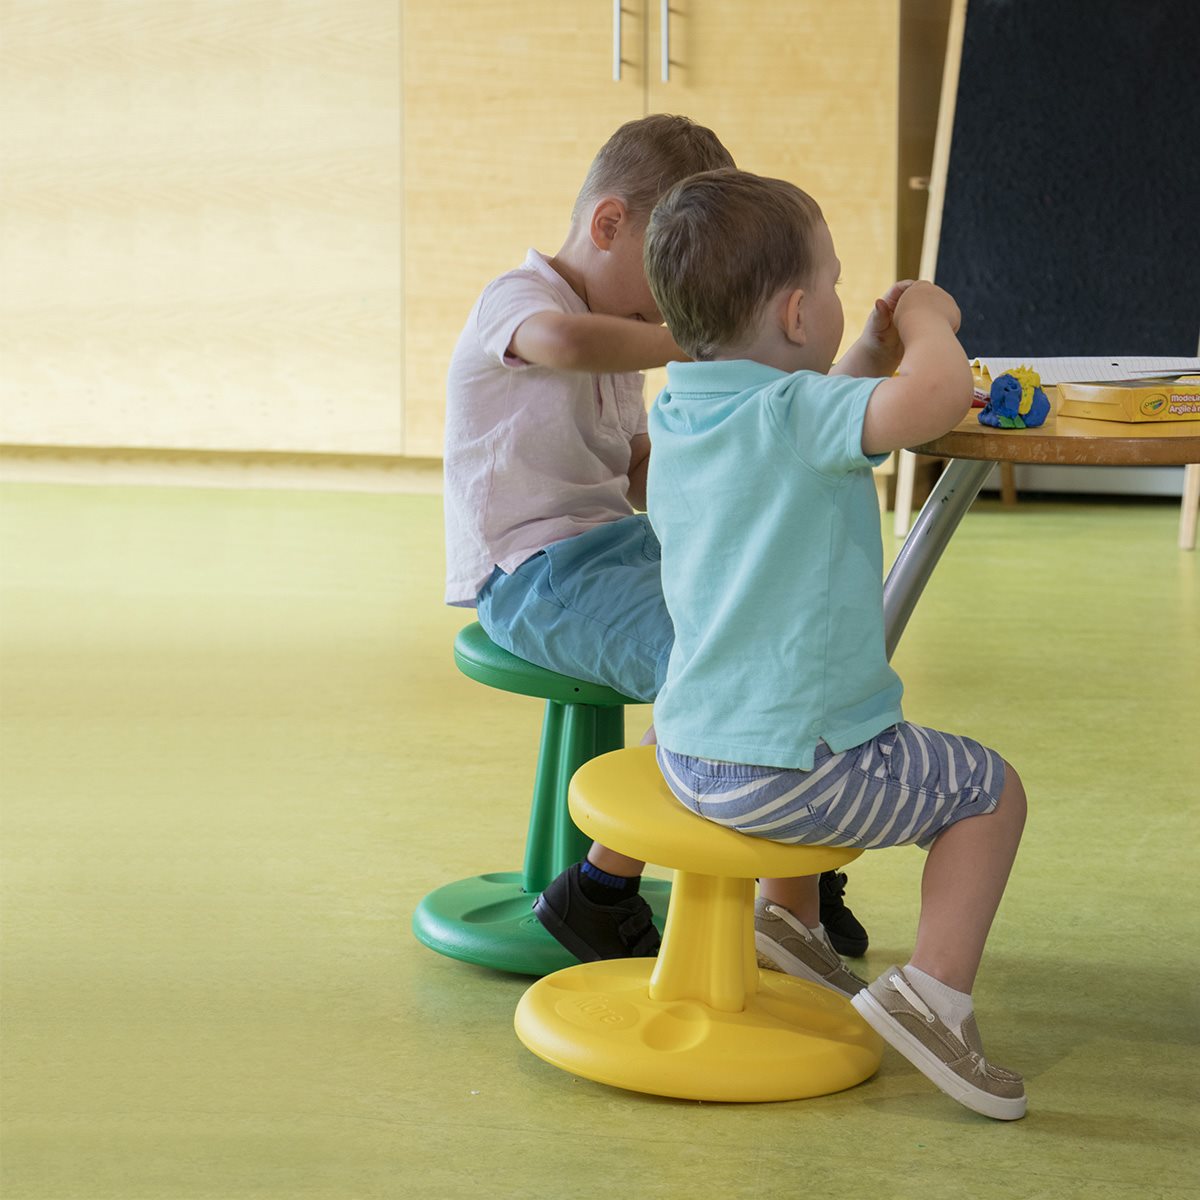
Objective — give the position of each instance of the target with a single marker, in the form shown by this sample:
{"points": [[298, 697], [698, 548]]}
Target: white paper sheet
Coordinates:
{"points": [[1092, 370]]}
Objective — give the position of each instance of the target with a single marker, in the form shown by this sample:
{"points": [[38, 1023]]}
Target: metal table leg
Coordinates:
{"points": [[939, 518]]}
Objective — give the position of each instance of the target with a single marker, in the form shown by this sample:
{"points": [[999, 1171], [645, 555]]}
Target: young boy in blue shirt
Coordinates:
{"points": [[545, 464], [780, 716]]}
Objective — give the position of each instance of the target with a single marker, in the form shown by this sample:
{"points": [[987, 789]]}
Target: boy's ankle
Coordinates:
{"points": [[951, 1006], [601, 887]]}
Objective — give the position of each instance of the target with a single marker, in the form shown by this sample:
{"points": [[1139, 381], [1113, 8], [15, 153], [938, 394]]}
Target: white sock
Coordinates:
{"points": [[819, 930], [952, 1007]]}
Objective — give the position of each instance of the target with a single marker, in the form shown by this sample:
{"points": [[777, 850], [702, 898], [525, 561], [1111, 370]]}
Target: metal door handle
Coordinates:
{"points": [[616, 41], [664, 18]]}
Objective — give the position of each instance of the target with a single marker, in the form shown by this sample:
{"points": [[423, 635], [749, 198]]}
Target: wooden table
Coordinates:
{"points": [[974, 448]]}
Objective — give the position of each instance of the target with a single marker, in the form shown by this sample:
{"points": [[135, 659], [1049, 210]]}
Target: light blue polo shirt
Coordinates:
{"points": [[772, 564]]}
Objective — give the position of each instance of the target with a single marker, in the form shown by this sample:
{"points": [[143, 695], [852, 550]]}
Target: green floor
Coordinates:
{"points": [[236, 753]]}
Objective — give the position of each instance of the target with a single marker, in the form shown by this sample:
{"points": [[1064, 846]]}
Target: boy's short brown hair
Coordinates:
{"points": [[646, 157], [719, 246]]}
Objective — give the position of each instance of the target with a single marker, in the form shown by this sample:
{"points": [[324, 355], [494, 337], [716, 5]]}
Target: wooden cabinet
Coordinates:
{"points": [[199, 225], [504, 106], [805, 92], [255, 226]]}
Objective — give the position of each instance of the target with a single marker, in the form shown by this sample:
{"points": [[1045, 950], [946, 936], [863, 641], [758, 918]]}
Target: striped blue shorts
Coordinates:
{"points": [[905, 785]]}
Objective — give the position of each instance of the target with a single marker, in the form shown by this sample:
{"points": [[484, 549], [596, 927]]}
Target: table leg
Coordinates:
{"points": [[938, 519], [1191, 502]]}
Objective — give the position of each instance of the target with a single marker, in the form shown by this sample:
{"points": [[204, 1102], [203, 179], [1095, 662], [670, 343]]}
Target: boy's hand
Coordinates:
{"points": [[931, 391], [926, 299], [881, 327], [879, 350]]}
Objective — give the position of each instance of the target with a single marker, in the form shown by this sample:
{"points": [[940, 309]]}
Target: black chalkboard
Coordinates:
{"points": [[1071, 218]]}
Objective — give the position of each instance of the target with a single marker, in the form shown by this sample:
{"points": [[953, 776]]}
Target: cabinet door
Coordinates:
{"points": [[804, 91], [198, 237], [504, 107]]}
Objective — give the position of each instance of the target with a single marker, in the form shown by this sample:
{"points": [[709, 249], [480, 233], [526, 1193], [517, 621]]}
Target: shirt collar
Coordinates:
{"points": [[539, 264], [728, 375]]}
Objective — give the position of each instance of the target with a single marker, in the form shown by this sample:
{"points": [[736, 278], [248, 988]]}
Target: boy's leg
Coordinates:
{"points": [[925, 1009], [612, 863], [964, 878]]}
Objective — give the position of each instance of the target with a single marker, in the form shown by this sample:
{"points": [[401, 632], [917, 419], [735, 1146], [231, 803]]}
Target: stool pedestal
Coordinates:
{"points": [[701, 1021], [792, 1040], [488, 919]]}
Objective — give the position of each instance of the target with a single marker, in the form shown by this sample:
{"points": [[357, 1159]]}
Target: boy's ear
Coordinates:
{"points": [[608, 215], [792, 311]]}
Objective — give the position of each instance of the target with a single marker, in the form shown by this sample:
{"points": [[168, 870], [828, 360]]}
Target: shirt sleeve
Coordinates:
{"points": [[821, 418], [505, 304]]}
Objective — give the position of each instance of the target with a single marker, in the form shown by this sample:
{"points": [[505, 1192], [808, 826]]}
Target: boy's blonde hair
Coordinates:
{"points": [[719, 246], [646, 157]]}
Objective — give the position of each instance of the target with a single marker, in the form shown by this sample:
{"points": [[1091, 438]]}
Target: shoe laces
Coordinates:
{"points": [[793, 923], [821, 946], [909, 993], [978, 1062]]}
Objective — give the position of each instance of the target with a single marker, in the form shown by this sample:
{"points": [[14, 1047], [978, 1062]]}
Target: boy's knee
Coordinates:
{"points": [[1012, 795]]}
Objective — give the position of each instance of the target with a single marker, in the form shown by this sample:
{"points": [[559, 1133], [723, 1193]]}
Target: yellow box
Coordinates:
{"points": [[1139, 400]]}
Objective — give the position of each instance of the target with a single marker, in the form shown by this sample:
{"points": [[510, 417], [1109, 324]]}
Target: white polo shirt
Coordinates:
{"points": [[533, 455]]}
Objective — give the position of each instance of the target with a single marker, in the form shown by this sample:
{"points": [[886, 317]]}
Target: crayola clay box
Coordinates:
{"points": [[1135, 400]]}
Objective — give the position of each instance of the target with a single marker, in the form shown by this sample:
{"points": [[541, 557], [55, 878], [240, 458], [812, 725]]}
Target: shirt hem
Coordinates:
{"points": [[790, 757]]}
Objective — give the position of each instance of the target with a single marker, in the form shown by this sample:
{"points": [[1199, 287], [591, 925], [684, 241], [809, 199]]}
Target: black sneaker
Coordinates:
{"points": [[846, 933], [595, 931]]}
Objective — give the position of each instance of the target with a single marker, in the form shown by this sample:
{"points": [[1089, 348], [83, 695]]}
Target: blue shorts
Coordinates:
{"points": [[905, 785], [590, 606]]}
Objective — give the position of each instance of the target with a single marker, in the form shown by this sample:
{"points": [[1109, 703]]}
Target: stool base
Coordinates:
{"points": [[793, 1040], [488, 920]]}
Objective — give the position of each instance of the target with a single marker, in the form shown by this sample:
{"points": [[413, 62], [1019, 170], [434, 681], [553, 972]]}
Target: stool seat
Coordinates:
{"points": [[609, 802], [479, 658], [488, 919], [701, 1021]]}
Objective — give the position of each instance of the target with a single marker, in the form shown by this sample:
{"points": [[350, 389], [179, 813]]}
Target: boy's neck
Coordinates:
{"points": [[572, 263], [768, 345], [768, 351]]}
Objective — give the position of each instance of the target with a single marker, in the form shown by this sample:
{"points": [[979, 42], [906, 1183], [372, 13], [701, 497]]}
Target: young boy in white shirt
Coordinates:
{"points": [[545, 463], [779, 715]]}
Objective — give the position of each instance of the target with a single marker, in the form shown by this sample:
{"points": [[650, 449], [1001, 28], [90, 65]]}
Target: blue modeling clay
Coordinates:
{"points": [[1016, 401]]}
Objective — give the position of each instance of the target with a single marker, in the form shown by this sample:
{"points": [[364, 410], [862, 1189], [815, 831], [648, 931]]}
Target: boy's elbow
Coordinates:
{"points": [[571, 349], [958, 391], [557, 343]]}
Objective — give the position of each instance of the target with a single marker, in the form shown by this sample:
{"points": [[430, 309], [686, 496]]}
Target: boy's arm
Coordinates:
{"points": [[933, 388], [878, 351], [639, 462], [593, 342]]}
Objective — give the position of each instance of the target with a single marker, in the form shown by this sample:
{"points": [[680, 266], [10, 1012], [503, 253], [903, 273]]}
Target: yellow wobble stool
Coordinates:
{"points": [[700, 1021]]}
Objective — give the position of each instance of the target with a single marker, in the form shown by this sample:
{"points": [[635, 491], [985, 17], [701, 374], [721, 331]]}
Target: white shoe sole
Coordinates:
{"points": [[1000, 1108], [771, 953]]}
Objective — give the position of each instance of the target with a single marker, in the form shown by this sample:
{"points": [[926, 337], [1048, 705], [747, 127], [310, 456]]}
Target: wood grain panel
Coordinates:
{"points": [[504, 107], [805, 91], [199, 239]]}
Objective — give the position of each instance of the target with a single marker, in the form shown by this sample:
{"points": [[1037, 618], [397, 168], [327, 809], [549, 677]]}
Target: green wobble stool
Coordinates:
{"points": [[488, 919]]}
